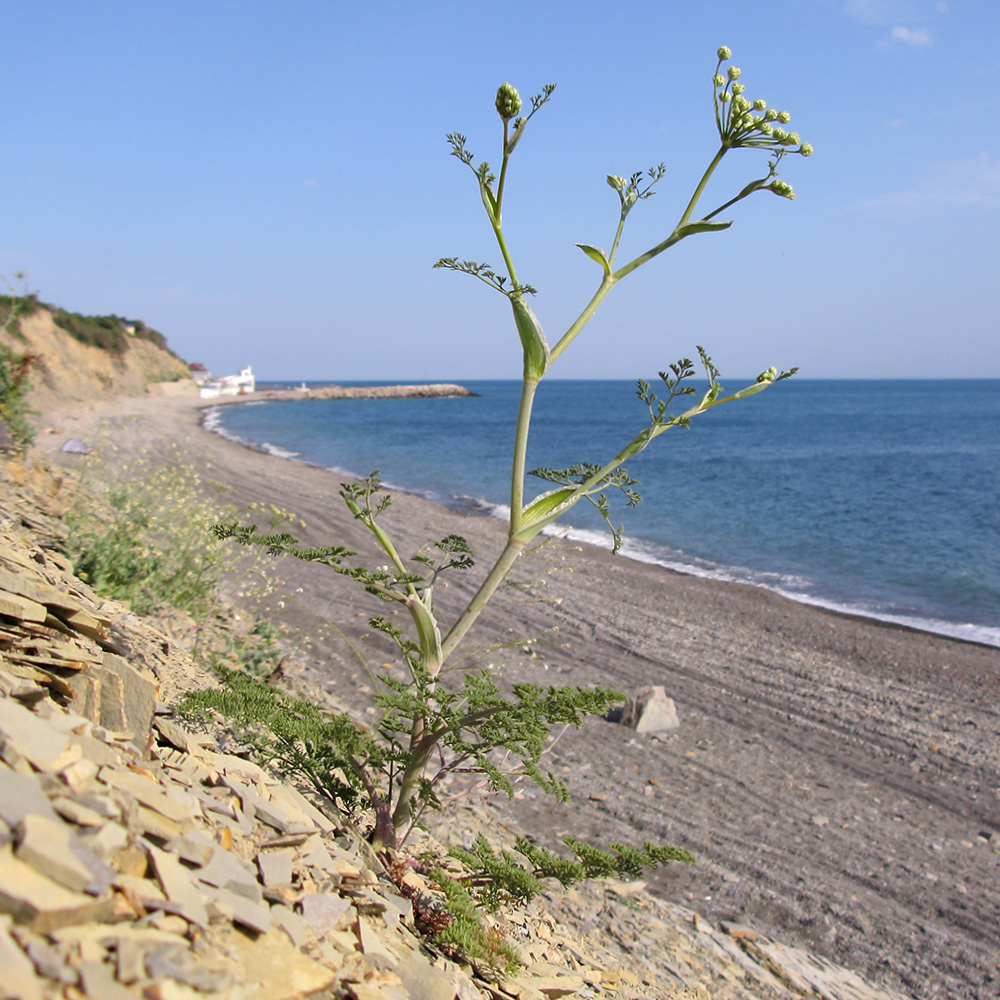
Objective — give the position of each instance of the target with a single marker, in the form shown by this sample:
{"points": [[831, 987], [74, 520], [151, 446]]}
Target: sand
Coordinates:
{"points": [[837, 778]]}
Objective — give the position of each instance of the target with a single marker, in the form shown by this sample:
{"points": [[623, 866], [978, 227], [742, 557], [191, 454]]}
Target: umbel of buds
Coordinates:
{"points": [[740, 127], [508, 101]]}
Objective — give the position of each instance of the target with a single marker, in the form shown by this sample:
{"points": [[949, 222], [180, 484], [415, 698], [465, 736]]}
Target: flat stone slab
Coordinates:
{"points": [[52, 848], [21, 794], [175, 880], [33, 899], [18, 971], [150, 794], [44, 747], [275, 869], [226, 871], [322, 911], [278, 966]]}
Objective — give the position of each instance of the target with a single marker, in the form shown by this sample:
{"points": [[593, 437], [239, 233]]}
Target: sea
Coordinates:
{"points": [[875, 498]]}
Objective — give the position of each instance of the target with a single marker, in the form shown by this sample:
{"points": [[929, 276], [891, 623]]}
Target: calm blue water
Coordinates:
{"points": [[875, 497]]}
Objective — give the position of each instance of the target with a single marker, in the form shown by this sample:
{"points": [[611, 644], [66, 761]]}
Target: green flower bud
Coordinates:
{"points": [[725, 96], [718, 80], [782, 189], [741, 103], [508, 101], [733, 72], [806, 149], [738, 88], [784, 117], [760, 104], [766, 128], [724, 52], [770, 115]]}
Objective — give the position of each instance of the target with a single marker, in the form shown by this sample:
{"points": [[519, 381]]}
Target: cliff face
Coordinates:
{"points": [[68, 371]]}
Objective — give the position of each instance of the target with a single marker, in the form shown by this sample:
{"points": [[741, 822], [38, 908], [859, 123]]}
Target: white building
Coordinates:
{"points": [[230, 385]]}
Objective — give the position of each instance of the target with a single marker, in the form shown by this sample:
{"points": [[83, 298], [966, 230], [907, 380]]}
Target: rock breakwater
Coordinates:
{"points": [[432, 390]]}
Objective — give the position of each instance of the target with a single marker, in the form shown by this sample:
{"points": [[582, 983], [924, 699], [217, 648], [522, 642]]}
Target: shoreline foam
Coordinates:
{"points": [[654, 553]]}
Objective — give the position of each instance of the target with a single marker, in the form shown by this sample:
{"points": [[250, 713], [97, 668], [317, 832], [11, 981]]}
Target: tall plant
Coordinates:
{"points": [[428, 728]]}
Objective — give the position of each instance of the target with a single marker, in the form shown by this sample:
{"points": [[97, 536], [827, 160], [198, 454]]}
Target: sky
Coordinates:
{"points": [[267, 182]]}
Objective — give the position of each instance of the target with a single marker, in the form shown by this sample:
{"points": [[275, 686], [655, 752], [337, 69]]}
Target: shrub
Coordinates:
{"points": [[105, 332], [15, 367]]}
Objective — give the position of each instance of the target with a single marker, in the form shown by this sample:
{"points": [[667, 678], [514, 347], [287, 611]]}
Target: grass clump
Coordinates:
{"points": [[143, 538]]}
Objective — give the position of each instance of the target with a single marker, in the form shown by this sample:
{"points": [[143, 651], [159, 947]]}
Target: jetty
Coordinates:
{"points": [[425, 391]]}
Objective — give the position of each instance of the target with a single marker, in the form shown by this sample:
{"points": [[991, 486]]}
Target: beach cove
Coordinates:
{"points": [[837, 777]]}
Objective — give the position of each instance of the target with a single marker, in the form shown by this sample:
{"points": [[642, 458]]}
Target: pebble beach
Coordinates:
{"points": [[837, 778]]}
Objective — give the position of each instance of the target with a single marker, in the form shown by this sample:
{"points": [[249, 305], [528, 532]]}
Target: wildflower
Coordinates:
{"points": [[724, 52]]}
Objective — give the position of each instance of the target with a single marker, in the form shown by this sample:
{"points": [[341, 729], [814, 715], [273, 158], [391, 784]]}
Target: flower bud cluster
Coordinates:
{"points": [[508, 101], [738, 127]]}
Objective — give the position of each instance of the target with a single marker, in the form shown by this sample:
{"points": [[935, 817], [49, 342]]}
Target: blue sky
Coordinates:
{"points": [[269, 183]]}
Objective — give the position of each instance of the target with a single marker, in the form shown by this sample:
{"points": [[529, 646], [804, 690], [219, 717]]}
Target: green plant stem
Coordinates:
{"points": [[584, 318], [528, 388], [421, 748], [502, 243], [701, 185], [509, 556], [617, 240], [385, 542], [745, 193], [676, 236], [637, 444], [409, 782], [503, 176], [385, 828]]}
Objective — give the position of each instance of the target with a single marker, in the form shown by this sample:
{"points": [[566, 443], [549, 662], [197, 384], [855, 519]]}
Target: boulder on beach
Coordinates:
{"points": [[651, 711]]}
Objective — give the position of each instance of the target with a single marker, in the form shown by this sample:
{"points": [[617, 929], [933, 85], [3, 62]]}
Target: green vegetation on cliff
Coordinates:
{"points": [[110, 333]]}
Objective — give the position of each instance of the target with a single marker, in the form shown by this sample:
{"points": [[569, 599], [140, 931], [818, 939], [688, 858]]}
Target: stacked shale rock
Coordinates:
{"points": [[135, 860]]}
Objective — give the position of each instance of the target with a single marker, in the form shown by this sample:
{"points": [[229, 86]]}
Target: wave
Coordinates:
{"points": [[212, 421], [797, 588]]}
